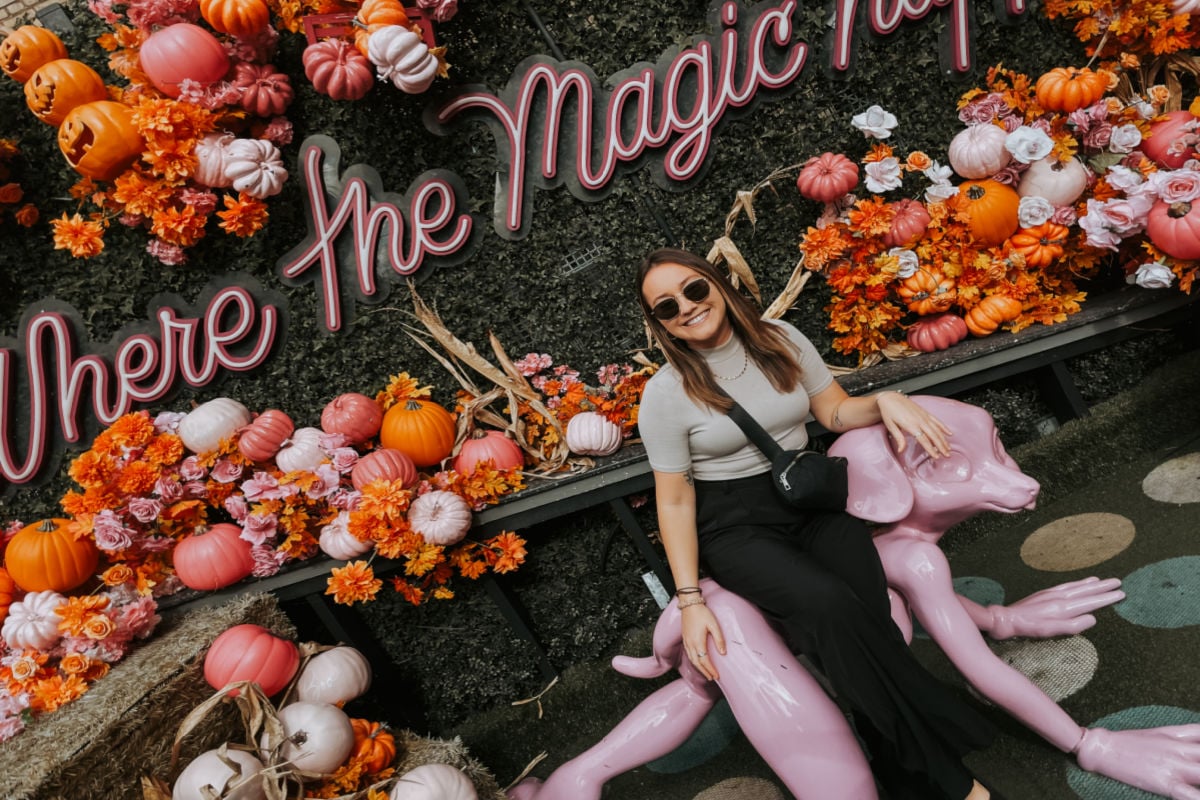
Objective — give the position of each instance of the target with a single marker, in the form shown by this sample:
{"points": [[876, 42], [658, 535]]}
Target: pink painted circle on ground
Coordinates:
{"points": [[1175, 481], [1077, 542]]}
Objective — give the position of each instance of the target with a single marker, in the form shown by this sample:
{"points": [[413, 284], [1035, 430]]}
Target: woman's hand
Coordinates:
{"points": [[697, 626], [902, 417]]}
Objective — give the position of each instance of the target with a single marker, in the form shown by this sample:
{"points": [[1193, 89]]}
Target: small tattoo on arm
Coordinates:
{"points": [[837, 419], [687, 476]]}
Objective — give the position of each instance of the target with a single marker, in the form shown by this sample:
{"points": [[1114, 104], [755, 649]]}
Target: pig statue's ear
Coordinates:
{"points": [[879, 489]]}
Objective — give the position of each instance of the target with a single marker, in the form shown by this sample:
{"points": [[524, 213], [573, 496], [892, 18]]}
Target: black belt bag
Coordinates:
{"points": [[805, 478]]}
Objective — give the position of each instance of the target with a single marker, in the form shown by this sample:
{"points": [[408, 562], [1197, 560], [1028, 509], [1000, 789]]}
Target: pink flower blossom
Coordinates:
{"points": [[168, 421], [168, 488], [279, 131], [204, 201], [258, 528], [110, 533], [1098, 137], [195, 490], [139, 617], [1010, 174], [345, 499], [156, 544], [1108, 222], [190, 469], [145, 509], [327, 482], [343, 459], [443, 10], [533, 363], [104, 10], [983, 110], [131, 220], [267, 561], [1064, 215], [259, 486], [332, 441], [1177, 185], [149, 14], [608, 375], [259, 48], [10, 727], [170, 254], [12, 703], [226, 471], [237, 507]]}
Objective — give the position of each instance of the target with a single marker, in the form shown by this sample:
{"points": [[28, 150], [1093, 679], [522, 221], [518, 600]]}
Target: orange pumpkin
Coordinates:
{"points": [[58, 86], [993, 210], [375, 14], [374, 745], [236, 17], [1040, 245], [992, 312], [421, 429], [26, 49], [927, 291], [7, 589], [46, 556], [1067, 88], [99, 139]]}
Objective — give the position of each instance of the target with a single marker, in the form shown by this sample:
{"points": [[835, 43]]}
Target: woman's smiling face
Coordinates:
{"points": [[701, 323]]}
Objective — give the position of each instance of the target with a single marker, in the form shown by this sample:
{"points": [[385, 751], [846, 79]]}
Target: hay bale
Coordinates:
{"points": [[416, 751], [100, 746]]}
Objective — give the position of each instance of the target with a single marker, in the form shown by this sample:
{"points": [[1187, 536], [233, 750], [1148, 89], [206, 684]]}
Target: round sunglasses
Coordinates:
{"points": [[667, 309]]}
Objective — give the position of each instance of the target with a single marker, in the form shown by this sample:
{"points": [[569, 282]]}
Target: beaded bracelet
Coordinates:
{"points": [[697, 601]]}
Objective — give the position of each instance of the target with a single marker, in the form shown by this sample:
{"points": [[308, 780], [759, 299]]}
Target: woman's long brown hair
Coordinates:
{"points": [[766, 345]]}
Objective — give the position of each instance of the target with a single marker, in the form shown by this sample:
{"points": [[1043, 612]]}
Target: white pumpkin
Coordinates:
{"points": [[203, 428], [31, 624], [592, 434], [334, 676], [434, 782], [1060, 182], [207, 769], [255, 166], [210, 160], [440, 517], [402, 57], [302, 451], [318, 737], [336, 541], [978, 151]]}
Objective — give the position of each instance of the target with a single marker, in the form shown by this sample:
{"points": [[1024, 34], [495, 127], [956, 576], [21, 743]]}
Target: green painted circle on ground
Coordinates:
{"points": [[1175, 481], [1165, 594], [1077, 542]]}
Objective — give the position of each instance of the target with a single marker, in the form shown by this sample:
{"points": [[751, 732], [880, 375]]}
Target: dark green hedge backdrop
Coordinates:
{"points": [[460, 653]]}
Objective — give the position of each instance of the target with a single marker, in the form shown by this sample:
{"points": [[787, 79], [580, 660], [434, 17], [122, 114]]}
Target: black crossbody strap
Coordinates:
{"points": [[754, 432]]}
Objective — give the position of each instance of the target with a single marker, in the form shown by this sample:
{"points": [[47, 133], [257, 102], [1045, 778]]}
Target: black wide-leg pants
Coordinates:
{"points": [[818, 576]]}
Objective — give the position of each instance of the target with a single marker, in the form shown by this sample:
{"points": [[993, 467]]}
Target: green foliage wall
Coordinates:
{"points": [[520, 290]]}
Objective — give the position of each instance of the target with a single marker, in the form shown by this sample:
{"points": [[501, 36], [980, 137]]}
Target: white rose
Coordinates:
{"points": [[1124, 139], [1028, 145], [909, 263], [875, 123], [937, 173], [1153, 275], [883, 175], [940, 192], [1122, 178], [1033, 211]]}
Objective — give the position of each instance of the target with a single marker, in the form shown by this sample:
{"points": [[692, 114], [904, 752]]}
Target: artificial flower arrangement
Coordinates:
{"points": [[12, 193], [1062, 176]]}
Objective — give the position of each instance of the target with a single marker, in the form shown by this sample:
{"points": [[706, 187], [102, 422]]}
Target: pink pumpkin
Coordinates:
{"points": [[214, 558], [827, 177], [492, 446], [1174, 228], [937, 332], [262, 438], [978, 151], [1175, 126], [909, 221], [266, 91], [386, 464], [353, 415], [251, 653], [338, 70], [180, 52]]}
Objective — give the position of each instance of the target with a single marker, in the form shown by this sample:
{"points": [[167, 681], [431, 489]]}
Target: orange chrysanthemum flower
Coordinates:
{"points": [[91, 469], [355, 582], [871, 217], [423, 560], [511, 549], [822, 246], [141, 194], [84, 238], [56, 691], [76, 612], [164, 450], [243, 216], [179, 226], [137, 478], [132, 430]]}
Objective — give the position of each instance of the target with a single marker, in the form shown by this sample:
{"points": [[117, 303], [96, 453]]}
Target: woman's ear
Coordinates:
{"points": [[879, 488]]}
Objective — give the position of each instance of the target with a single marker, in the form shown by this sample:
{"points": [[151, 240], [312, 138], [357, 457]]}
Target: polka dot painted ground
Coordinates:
{"points": [[1175, 481], [1077, 542], [1165, 594]]}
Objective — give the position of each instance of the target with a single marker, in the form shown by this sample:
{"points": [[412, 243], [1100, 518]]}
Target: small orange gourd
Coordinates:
{"points": [[46, 556], [373, 15], [927, 291], [1067, 88], [236, 17], [1040, 245], [421, 429], [992, 312], [372, 743], [993, 210]]}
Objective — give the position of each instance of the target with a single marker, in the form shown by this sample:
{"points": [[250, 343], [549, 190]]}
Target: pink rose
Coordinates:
{"points": [[267, 561], [343, 459], [190, 469], [168, 489], [237, 507], [1177, 185], [10, 727], [258, 528], [328, 480], [1098, 137], [345, 499], [1064, 215], [195, 490], [110, 533], [1124, 217], [139, 617], [261, 486], [226, 471], [145, 509]]}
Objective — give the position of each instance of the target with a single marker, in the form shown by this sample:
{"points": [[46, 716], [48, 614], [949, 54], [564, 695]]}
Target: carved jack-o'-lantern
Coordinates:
{"points": [[99, 139], [26, 49], [58, 86]]}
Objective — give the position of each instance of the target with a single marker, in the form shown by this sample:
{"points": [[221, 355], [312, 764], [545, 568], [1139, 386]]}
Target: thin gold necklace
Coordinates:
{"points": [[741, 372]]}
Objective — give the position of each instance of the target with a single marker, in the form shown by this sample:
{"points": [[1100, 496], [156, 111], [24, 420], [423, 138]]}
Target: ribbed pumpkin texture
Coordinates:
{"points": [[214, 559], [421, 429], [46, 556], [250, 652]]}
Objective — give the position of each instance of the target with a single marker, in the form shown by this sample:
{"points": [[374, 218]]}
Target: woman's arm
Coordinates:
{"points": [[839, 412], [676, 500]]}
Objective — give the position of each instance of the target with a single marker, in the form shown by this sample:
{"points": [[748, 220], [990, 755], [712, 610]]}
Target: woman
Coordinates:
{"points": [[816, 574]]}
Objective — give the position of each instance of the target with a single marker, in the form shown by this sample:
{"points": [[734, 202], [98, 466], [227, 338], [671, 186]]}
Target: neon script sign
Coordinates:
{"points": [[52, 387], [555, 125]]}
